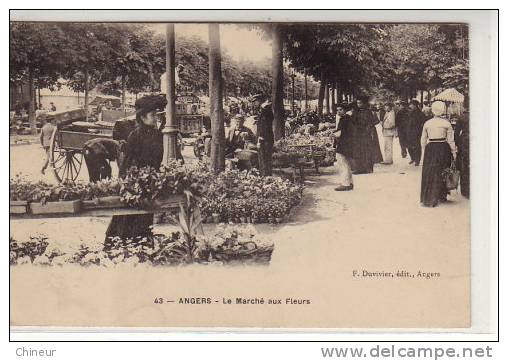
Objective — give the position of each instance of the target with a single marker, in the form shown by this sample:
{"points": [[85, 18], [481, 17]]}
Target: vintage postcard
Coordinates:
{"points": [[234, 175]]}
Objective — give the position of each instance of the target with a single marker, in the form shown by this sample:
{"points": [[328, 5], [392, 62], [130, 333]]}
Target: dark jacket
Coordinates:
{"points": [[345, 143], [401, 119], [364, 121], [123, 128], [415, 121], [265, 122], [144, 147]]}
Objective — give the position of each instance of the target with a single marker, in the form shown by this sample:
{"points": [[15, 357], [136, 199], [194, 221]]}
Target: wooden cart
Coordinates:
{"points": [[68, 140]]}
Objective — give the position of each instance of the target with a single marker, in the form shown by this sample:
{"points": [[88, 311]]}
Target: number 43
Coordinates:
{"points": [[158, 300]]}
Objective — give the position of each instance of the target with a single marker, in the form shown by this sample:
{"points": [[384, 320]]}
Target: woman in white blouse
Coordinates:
{"points": [[439, 148]]}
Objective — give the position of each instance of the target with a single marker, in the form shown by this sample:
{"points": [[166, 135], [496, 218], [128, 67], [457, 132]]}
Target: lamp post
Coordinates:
{"points": [[170, 130]]}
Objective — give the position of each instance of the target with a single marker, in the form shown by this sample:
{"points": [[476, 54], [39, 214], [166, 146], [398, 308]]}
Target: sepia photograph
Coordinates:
{"points": [[236, 175]]}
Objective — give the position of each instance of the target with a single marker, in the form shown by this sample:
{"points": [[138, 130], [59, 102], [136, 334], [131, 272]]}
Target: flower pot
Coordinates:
{"points": [[278, 219], [18, 207], [170, 202], [103, 203], [243, 220], [60, 207], [216, 218]]}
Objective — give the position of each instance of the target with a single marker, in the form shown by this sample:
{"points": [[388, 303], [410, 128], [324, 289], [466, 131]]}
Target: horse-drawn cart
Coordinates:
{"points": [[68, 140]]}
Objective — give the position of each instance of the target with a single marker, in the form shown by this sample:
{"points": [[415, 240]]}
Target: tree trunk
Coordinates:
{"points": [[321, 95], [306, 93], [38, 97], [86, 94], [334, 104], [327, 99], [293, 94], [31, 107], [277, 83], [217, 156], [421, 98], [123, 93]]}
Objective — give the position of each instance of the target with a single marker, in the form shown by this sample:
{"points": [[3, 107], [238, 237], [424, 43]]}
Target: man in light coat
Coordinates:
{"points": [[389, 129]]}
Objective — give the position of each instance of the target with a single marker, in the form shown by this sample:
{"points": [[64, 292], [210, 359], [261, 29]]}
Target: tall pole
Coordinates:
{"points": [[86, 94], [277, 82], [170, 130], [217, 151]]}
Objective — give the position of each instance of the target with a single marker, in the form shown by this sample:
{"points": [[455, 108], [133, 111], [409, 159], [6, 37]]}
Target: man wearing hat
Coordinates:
{"points": [[144, 147], [264, 115], [238, 136]]}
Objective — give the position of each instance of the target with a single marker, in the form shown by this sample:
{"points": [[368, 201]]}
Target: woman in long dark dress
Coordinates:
{"points": [[438, 143], [144, 147], [365, 152]]}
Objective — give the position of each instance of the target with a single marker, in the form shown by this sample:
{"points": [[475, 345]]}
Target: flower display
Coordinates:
{"points": [[226, 245], [231, 196]]}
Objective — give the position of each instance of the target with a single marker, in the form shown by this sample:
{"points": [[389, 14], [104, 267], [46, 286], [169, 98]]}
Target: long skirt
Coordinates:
{"points": [[437, 158], [129, 226], [363, 160], [388, 148]]}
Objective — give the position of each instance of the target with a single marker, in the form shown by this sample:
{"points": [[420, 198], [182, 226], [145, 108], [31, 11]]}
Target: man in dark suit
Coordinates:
{"points": [[401, 120], [415, 121], [264, 121]]}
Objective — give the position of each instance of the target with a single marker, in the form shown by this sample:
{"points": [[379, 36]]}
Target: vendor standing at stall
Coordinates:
{"points": [[144, 147], [264, 121]]}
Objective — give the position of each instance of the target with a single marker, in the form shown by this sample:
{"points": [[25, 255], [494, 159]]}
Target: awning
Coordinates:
{"points": [[450, 95]]}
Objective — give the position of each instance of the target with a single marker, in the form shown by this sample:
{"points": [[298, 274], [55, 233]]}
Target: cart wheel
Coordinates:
{"points": [[65, 163]]}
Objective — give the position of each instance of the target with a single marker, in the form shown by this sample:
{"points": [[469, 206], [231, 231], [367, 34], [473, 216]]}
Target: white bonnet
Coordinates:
{"points": [[438, 108]]}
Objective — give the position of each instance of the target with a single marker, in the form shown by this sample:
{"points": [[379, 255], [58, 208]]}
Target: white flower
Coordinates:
{"points": [[132, 260], [106, 262], [42, 260], [58, 260], [24, 260]]}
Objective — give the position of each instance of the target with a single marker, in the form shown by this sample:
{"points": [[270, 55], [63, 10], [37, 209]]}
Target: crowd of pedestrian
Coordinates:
{"points": [[421, 129]]}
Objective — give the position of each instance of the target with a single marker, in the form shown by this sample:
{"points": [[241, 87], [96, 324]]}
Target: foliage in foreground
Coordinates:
{"points": [[227, 245]]}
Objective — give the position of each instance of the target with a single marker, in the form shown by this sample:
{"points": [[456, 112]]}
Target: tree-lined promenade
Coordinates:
{"points": [[388, 61]]}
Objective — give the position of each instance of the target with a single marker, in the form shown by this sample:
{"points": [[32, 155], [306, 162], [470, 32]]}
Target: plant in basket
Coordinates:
{"points": [[235, 244]]}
